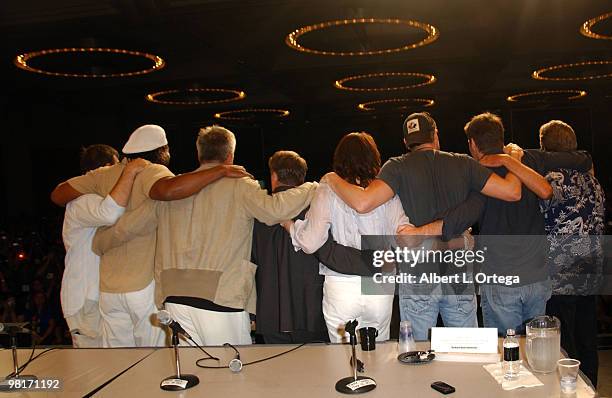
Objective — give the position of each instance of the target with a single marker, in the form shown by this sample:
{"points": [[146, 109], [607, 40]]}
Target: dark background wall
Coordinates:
{"points": [[485, 52], [35, 157]]}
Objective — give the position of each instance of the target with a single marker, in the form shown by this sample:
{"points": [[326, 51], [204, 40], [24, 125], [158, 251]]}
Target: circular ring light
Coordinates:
{"points": [[539, 74], [155, 97], [586, 28], [427, 79], [292, 38], [571, 95], [370, 106], [21, 61], [239, 114]]}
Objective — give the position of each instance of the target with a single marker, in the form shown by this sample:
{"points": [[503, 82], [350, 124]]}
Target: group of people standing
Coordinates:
{"points": [[214, 248]]}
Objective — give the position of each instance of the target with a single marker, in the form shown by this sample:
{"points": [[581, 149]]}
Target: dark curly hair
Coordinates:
{"points": [[357, 159], [157, 156]]}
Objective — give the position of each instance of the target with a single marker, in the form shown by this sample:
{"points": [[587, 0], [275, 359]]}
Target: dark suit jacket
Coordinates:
{"points": [[289, 287]]}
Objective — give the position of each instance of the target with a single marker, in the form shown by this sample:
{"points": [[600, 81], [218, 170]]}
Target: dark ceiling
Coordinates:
{"points": [[486, 51]]}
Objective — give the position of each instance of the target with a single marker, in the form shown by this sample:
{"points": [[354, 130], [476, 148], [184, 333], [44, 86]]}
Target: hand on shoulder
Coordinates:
{"points": [[136, 165]]}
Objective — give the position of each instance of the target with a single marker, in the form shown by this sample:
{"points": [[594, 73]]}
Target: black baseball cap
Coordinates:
{"points": [[419, 128]]}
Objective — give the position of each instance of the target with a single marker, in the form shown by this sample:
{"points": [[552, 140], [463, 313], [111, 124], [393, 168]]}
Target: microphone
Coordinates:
{"points": [[166, 319], [354, 384], [179, 381], [13, 328], [235, 364]]}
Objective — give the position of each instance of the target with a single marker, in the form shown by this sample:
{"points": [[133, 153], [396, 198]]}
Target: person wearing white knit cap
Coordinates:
{"points": [[126, 272]]}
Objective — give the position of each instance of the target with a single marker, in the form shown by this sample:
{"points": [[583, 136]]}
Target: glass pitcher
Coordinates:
{"points": [[543, 345]]}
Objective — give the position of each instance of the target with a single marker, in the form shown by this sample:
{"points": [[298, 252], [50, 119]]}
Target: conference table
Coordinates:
{"points": [[309, 371], [81, 371]]}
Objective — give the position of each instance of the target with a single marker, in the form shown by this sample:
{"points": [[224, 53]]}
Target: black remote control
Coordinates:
{"points": [[442, 387]]}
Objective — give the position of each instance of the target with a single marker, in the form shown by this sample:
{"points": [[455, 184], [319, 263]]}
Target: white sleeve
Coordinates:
{"points": [[92, 210], [311, 233], [396, 214]]}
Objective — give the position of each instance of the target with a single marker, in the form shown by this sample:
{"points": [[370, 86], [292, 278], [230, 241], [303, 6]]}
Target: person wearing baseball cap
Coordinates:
{"points": [[420, 128], [126, 272], [429, 182]]}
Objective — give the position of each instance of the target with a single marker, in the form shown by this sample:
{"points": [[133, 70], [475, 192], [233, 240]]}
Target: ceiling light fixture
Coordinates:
{"points": [[409, 102], [21, 61], [427, 79], [158, 96], [292, 38], [243, 114], [539, 74], [571, 95], [587, 28]]}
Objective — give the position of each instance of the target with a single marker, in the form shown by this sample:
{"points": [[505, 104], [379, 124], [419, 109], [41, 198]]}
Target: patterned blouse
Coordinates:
{"points": [[575, 226]]}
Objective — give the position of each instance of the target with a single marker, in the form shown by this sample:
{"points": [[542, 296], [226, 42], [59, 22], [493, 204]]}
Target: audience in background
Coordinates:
{"points": [[42, 318], [31, 260]]}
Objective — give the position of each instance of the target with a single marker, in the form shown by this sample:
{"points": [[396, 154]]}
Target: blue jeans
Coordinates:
{"points": [[422, 311], [506, 307]]}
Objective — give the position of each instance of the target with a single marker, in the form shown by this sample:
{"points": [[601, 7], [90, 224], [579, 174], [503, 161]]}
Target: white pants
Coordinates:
{"points": [[85, 326], [343, 301], [209, 328], [129, 319]]}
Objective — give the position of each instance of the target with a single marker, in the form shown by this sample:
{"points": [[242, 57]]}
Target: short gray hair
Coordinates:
{"points": [[557, 136], [215, 143]]}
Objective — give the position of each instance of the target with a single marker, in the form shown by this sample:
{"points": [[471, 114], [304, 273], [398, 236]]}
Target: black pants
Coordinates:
{"points": [[298, 337], [578, 316]]}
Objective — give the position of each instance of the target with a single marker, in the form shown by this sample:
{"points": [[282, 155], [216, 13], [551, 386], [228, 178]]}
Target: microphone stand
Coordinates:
{"points": [[12, 330], [354, 384], [179, 381]]}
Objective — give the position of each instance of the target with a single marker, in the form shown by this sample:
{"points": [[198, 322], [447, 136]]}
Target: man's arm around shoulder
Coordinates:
{"points": [[360, 199], [273, 209], [182, 186], [64, 193]]}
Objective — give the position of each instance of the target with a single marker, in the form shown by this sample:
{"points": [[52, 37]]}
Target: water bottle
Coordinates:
{"points": [[406, 339], [511, 363]]}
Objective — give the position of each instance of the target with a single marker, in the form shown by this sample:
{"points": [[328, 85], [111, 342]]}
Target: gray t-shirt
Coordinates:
{"points": [[429, 182]]}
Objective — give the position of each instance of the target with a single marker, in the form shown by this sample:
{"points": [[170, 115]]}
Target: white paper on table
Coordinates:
{"points": [[464, 340], [525, 377]]}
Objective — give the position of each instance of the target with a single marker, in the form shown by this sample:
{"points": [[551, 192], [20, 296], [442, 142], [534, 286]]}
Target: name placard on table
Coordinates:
{"points": [[465, 344]]}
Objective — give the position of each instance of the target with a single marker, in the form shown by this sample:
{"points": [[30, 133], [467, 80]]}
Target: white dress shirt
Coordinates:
{"points": [[328, 210], [81, 279]]}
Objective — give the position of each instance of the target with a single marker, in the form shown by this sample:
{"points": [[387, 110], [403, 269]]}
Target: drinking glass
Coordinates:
{"points": [[568, 370]]}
